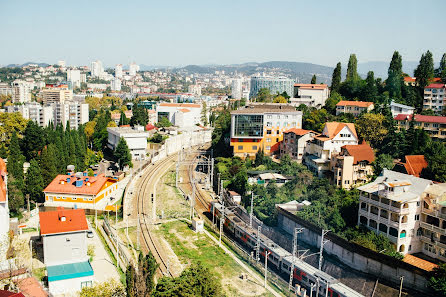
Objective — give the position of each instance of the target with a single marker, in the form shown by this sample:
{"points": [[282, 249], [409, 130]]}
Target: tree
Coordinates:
{"points": [[352, 69], [437, 280], [163, 122], [395, 76], [264, 95], [111, 288], [313, 79], [15, 196], [11, 123], [425, 70], [141, 282], [330, 104], [15, 159], [381, 162], [34, 182], [140, 116], [47, 163], [279, 99], [156, 138], [122, 154], [123, 119], [336, 78], [33, 140], [371, 127], [441, 71], [370, 90], [435, 154]]}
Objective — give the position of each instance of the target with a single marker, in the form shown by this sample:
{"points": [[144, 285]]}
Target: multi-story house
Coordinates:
{"points": [[414, 165], [294, 143], [435, 126], [41, 115], [21, 91], [73, 112], [135, 137], [319, 151], [433, 222], [353, 107], [56, 94], [260, 127], [312, 95], [4, 211], [391, 205], [434, 97], [353, 165], [64, 237], [397, 108], [183, 115]]}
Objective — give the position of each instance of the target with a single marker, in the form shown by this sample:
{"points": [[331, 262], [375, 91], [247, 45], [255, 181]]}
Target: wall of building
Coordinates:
{"points": [[65, 248], [68, 285]]}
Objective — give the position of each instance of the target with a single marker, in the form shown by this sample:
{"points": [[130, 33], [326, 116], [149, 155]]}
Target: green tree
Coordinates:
{"points": [[370, 90], [16, 199], [109, 288], [441, 71], [163, 122], [437, 280], [279, 99], [140, 116], [313, 79], [330, 104], [352, 68], [33, 140], [371, 127], [122, 154], [47, 162], [381, 162], [425, 70], [130, 279], [34, 182], [10, 123], [435, 154], [264, 95], [204, 117], [336, 78], [15, 160], [394, 81], [123, 119]]}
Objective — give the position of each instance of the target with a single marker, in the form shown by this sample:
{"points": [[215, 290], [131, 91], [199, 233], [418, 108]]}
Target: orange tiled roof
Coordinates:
{"points": [[184, 110], [312, 86], [420, 263], [60, 184], [51, 222], [4, 293], [354, 103], [334, 128], [3, 170], [409, 79], [179, 104], [31, 287], [299, 132], [360, 152], [415, 164]]}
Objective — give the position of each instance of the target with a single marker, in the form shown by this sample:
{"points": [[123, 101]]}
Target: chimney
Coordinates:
{"points": [[79, 183], [63, 219], [68, 180]]}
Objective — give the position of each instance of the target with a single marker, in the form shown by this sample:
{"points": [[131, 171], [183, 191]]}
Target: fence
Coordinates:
{"points": [[112, 238]]}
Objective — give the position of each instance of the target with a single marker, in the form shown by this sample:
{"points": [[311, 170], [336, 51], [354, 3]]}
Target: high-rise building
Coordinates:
{"points": [[236, 92], [5, 89], [274, 84], [115, 84], [41, 115], [73, 112], [21, 91], [194, 89], [56, 94], [260, 127], [118, 71], [96, 69], [74, 76], [133, 68], [434, 97]]}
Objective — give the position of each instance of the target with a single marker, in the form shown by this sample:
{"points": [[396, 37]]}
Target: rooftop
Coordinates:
{"points": [[312, 86], [421, 118], [360, 152], [354, 103], [30, 287], [83, 185], [299, 132], [435, 86], [180, 105], [393, 103], [69, 271], [266, 108], [333, 128], [62, 221], [415, 164]]}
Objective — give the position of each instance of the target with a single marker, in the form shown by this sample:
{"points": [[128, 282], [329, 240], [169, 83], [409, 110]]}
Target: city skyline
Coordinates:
{"points": [[178, 34]]}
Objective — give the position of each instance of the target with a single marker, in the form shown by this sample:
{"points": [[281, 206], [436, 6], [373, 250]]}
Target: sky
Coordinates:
{"points": [[178, 33]]}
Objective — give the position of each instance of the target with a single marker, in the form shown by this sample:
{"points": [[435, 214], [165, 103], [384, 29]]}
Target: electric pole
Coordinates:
{"points": [[324, 232], [267, 253], [250, 211], [258, 244], [296, 231]]}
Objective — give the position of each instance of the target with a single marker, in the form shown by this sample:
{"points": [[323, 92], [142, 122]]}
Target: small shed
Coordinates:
{"points": [[197, 225], [236, 197]]}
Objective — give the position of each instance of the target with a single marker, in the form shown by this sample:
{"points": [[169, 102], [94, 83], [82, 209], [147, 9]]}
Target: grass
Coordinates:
{"points": [[29, 229], [39, 273]]}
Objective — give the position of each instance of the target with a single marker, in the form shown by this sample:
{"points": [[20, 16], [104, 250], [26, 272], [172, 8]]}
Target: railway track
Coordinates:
{"points": [[144, 194], [198, 192]]}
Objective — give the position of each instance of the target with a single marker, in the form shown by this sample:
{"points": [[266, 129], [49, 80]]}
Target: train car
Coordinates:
{"points": [[277, 253]]}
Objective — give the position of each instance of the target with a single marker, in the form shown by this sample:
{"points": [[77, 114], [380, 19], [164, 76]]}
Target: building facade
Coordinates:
{"points": [[6, 89], [118, 71], [435, 126], [56, 94], [397, 108], [41, 115], [74, 77], [96, 69], [21, 91], [70, 112], [136, 139], [236, 88], [182, 115], [434, 97], [312, 95], [294, 143], [353, 107], [274, 84], [260, 127]]}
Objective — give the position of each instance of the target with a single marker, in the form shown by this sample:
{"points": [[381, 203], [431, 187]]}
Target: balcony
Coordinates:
{"points": [[433, 228]]}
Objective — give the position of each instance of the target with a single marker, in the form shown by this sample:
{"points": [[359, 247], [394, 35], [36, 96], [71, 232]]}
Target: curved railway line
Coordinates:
{"points": [[144, 194]]}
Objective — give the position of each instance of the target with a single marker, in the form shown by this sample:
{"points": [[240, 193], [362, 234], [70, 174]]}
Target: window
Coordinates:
{"points": [[268, 139], [393, 232], [86, 284], [277, 139], [293, 124], [417, 217], [268, 147], [426, 124], [268, 132], [278, 132], [240, 147], [403, 234], [435, 125], [269, 116], [278, 124], [248, 125], [254, 147], [269, 124]]}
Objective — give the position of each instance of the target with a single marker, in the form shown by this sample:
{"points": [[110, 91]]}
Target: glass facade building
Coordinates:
{"points": [[274, 84], [247, 125]]}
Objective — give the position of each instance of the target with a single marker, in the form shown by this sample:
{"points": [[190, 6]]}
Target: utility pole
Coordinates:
{"points": [[138, 227], [258, 244], [29, 206], [296, 231], [31, 249], [401, 285], [218, 184], [267, 253], [212, 173], [321, 250], [222, 221], [250, 211]]}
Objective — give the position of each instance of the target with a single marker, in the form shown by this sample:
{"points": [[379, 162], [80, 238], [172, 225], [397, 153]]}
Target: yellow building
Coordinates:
{"points": [[79, 190], [56, 94], [435, 126], [260, 127]]}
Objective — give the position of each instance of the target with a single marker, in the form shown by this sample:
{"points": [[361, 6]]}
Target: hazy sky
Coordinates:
{"points": [[222, 32]]}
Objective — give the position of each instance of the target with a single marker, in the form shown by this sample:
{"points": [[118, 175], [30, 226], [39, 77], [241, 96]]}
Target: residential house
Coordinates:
{"points": [[435, 126], [312, 95], [391, 205], [319, 151], [353, 165], [183, 115], [294, 143], [397, 108], [64, 238], [135, 137], [353, 107], [414, 165], [434, 97]]}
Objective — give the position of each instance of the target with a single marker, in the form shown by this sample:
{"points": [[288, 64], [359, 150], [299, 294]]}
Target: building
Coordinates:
{"points": [[73, 112], [135, 137], [194, 89], [236, 89], [353, 107], [79, 190], [133, 68], [6, 89], [397, 108], [97, 70], [115, 84], [61, 63], [118, 71], [64, 238], [312, 95], [74, 77], [274, 84], [414, 165], [41, 115], [320, 150], [4, 211], [183, 115], [294, 143], [434, 97], [260, 127], [56, 94], [353, 165], [21, 91], [391, 205], [435, 126]]}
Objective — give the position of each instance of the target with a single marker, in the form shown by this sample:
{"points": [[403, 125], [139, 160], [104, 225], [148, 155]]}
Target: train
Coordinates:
{"points": [[304, 275]]}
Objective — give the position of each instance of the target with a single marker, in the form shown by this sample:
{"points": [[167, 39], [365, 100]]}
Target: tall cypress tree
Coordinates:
{"points": [[352, 68], [48, 163], [336, 78], [395, 76], [441, 71], [425, 70], [313, 79], [34, 182], [370, 90], [33, 140]]}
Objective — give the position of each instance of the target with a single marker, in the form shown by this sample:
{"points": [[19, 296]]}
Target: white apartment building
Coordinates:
{"points": [[73, 112], [319, 151], [41, 115], [56, 94], [312, 95], [96, 69], [61, 63], [5, 89], [397, 108], [133, 68], [182, 115], [236, 90], [74, 76], [21, 91], [118, 71], [135, 137], [434, 97], [115, 84], [194, 89], [391, 205]]}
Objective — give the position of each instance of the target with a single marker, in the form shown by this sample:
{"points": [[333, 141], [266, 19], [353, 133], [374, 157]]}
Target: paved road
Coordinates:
{"points": [[103, 267]]}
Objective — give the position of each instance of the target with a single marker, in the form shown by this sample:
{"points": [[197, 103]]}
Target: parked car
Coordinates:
{"points": [[90, 234]]}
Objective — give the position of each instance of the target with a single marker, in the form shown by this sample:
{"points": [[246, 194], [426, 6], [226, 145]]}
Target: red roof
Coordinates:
{"points": [[415, 164], [312, 86], [233, 193], [150, 126], [92, 186], [52, 222], [354, 103], [190, 105], [410, 79], [333, 128], [435, 86], [360, 152], [10, 294], [30, 287], [421, 118], [299, 132]]}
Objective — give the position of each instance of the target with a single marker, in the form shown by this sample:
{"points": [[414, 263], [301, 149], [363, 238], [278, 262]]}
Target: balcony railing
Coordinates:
{"points": [[427, 226]]}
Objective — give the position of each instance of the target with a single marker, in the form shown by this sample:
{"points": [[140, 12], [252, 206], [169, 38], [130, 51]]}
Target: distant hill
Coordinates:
{"points": [[26, 64]]}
